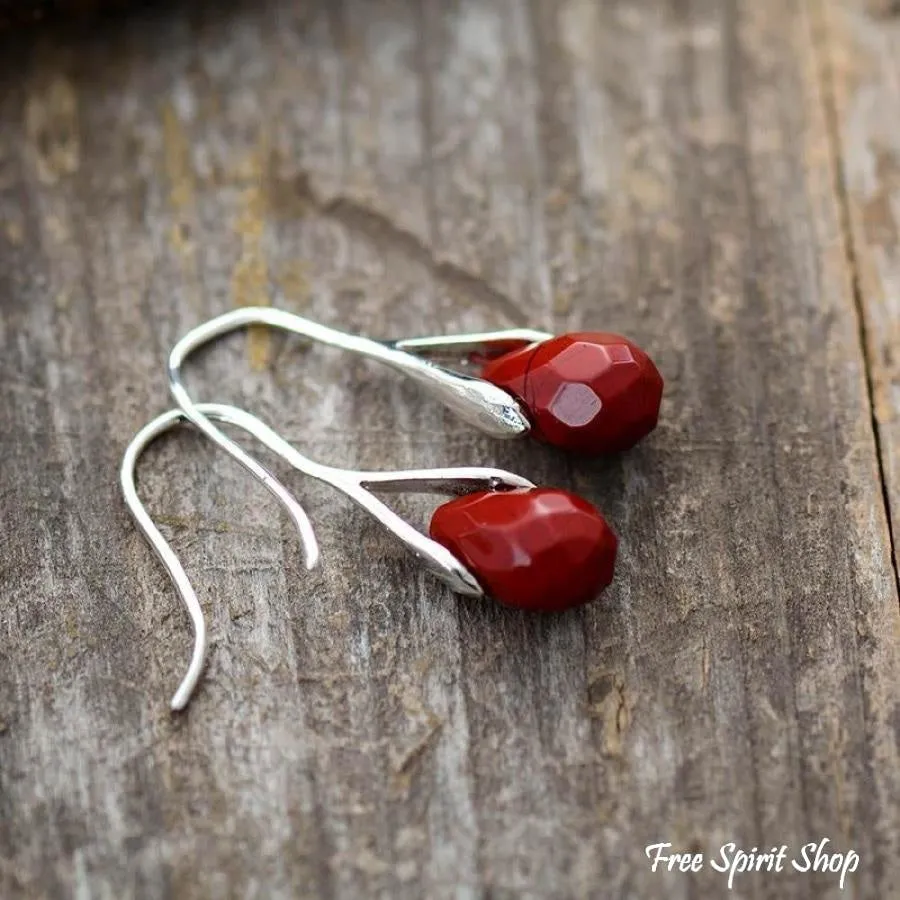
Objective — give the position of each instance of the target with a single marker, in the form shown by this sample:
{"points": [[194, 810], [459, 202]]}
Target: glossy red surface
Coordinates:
{"points": [[591, 392], [537, 548]]}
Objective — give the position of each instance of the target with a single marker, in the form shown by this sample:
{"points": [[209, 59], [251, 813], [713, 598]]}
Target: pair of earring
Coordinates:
{"points": [[536, 548]]}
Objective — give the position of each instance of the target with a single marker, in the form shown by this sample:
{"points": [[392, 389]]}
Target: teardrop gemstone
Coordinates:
{"points": [[590, 392], [540, 549]]}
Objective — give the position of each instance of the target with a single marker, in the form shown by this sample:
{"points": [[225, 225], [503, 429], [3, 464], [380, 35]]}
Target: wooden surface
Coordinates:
{"points": [[718, 180]]}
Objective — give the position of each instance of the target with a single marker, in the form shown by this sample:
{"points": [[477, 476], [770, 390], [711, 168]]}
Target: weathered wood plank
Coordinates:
{"points": [[670, 171], [862, 53]]}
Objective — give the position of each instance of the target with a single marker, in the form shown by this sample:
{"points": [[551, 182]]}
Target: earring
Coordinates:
{"points": [[590, 392], [501, 535], [623, 371]]}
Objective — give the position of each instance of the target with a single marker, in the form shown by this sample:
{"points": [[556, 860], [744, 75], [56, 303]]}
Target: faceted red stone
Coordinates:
{"points": [[539, 549], [592, 392]]}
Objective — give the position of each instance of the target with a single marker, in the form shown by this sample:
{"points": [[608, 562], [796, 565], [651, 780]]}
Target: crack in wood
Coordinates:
{"points": [[823, 47]]}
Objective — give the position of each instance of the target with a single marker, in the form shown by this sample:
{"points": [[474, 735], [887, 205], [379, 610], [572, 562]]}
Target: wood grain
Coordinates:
{"points": [[863, 49], [684, 172]]}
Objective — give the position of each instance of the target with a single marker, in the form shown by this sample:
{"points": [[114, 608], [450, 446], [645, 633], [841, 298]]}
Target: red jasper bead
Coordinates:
{"points": [[539, 549], [591, 392]]}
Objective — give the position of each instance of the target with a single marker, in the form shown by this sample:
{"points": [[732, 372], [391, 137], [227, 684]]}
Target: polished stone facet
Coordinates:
{"points": [[591, 392], [539, 549]]}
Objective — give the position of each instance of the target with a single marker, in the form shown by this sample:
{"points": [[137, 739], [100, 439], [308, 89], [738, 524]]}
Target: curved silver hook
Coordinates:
{"points": [[437, 558], [453, 481], [479, 402], [167, 556]]}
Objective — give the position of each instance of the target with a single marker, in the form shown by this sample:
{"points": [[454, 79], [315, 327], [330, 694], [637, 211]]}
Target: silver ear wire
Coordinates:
{"points": [[479, 402], [453, 481], [437, 558], [167, 556], [456, 349]]}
